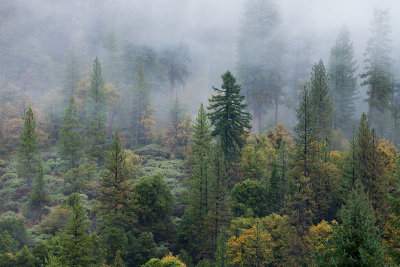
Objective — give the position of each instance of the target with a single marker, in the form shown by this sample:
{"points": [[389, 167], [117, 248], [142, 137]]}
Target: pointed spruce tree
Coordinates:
{"points": [[357, 242], [76, 246], [28, 149], [116, 202], [70, 143], [141, 101], [199, 183], [343, 81], [39, 198], [96, 115], [377, 75], [321, 101], [228, 117]]}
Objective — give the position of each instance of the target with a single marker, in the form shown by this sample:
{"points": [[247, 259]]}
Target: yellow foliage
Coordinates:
{"points": [[174, 259], [318, 235], [252, 247]]}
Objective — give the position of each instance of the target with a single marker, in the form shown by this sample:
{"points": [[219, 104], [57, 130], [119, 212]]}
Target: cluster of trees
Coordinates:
{"points": [[217, 190]]}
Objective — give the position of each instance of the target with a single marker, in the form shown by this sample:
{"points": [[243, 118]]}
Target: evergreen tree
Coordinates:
{"points": [[343, 81], [274, 195], [39, 198], [228, 118], [218, 212], [155, 206], [70, 140], [357, 242], [140, 103], [305, 133], [176, 116], [116, 192], [75, 245], [28, 148], [260, 50], [200, 164], [321, 101], [377, 75], [199, 182], [96, 114]]}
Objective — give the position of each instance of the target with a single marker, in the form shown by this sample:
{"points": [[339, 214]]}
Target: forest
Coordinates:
{"points": [[169, 133]]}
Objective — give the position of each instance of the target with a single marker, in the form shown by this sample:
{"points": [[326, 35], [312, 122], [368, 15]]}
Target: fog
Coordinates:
{"points": [[36, 37]]}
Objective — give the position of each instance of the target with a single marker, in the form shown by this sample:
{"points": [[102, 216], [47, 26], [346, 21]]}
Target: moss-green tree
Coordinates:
{"points": [[76, 246], [321, 101], [343, 81], [357, 242], [28, 149], [70, 144], [228, 117], [155, 206], [39, 197], [96, 115]]}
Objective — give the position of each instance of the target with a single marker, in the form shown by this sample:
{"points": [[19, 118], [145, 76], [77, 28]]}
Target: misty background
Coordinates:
{"points": [[37, 38]]}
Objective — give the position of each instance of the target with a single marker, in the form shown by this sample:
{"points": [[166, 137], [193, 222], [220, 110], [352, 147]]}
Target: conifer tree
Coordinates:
{"points": [[200, 161], [343, 81], [76, 246], [228, 117], [70, 140], [356, 241], [218, 211], [28, 148], [274, 195], [96, 114], [115, 191], [321, 101], [140, 103], [377, 75], [305, 132], [39, 197]]}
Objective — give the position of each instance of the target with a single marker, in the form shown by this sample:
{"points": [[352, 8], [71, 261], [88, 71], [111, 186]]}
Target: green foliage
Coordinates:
{"points": [[321, 102], [357, 242], [140, 102], [144, 248], [76, 245], [39, 198], [15, 225], [343, 81], [28, 148], [70, 143], [155, 205], [228, 118], [377, 73], [7, 244], [96, 108], [79, 179], [249, 198]]}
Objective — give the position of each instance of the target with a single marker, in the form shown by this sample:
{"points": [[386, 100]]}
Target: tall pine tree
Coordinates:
{"points": [[28, 149], [321, 101], [96, 115], [343, 81], [39, 198], [357, 242], [228, 117], [70, 143], [76, 246], [377, 75]]}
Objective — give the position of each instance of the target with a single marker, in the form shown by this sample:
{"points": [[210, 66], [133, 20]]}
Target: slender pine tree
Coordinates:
{"points": [[39, 198], [70, 143], [28, 149], [228, 117], [343, 81], [76, 246]]}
